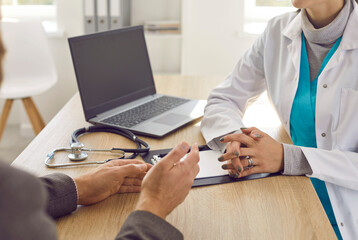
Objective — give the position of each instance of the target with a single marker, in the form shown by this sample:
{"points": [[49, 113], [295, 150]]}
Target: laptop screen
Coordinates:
{"points": [[112, 68]]}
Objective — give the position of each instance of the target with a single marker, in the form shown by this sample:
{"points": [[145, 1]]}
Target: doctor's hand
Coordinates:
{"points": [[168, 183], [265, 153], [116, 176]]}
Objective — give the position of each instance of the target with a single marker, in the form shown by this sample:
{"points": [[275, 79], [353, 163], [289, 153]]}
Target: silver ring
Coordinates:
{"points": [[251, 163]]}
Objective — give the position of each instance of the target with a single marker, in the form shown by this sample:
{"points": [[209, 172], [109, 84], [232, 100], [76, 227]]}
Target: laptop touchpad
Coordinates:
{"points": [[171, 119]]}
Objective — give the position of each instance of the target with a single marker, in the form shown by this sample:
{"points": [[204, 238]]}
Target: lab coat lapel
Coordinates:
{"points": [[292, 32]]}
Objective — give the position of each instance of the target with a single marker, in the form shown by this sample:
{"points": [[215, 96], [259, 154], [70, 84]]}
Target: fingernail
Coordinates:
{"points": [[142, 167], [239, 168], [236, 154], [257, 135], [221, 158], [224, 166], [221, 139], [184, 146], [243, 128], [233, 175]]}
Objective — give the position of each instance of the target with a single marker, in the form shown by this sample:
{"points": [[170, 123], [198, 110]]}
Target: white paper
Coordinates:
{"points": [[209, 164]]}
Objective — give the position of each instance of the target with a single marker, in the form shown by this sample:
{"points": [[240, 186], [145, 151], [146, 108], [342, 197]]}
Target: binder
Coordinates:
{"points": [[89, 16], [115, 16], [208, 180], [125, 12], [102, 15]]}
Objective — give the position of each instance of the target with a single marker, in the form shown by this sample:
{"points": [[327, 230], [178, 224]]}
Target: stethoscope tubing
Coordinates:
{"points": [[98, 128]]}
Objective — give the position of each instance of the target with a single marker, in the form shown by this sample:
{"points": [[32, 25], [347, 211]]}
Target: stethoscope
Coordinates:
{"points": [[77, 151]]}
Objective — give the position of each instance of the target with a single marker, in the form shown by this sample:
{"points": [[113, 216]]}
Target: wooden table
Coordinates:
{"points": [[279, 207]]}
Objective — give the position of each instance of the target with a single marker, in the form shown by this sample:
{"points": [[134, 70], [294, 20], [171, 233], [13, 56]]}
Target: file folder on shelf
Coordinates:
{"points": [[89, 16], [102, 15]]}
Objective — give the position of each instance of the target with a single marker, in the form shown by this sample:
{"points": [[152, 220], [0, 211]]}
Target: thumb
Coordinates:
{"points": [[131, 170]]}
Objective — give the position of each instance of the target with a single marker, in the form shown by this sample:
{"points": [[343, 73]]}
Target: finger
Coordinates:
{"points": [[239, 137], [253, 132], [237, 166], [129, 189], [233, 174], [121, 162], [227, 166], [192, 158], [229, 155], [128, 181], [245, 162], [131, 170], [149, 166], [235, 154], [251, 171], [174, 155]]}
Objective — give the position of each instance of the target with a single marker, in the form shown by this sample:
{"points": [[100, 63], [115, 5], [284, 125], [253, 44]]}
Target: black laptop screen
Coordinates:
{"points": [[112, 68]]}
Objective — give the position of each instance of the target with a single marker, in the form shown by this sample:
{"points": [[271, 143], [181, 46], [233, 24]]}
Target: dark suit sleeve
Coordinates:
{"points": [[62, 194], [145, 225], [22, 207]]}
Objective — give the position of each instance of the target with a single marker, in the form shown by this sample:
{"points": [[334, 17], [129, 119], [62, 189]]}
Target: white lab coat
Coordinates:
{"points": [[273, 64]]}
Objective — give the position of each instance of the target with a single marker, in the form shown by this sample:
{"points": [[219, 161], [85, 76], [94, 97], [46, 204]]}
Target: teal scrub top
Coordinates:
{"points": [[303, 124]]}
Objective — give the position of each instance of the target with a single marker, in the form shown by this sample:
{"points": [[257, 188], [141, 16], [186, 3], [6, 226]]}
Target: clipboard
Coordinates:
{"points": [[208, 180]]}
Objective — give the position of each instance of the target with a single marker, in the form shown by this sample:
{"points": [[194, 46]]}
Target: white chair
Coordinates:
{"points": [[28, 69]]}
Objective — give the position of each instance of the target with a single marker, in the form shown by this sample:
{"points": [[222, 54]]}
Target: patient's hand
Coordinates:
{"points": [[168, 183], [116, 176]]}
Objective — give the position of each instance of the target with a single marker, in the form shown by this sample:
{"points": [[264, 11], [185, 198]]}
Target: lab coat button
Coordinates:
{"points": [[323, 134], [325, 85], [342, 224]]}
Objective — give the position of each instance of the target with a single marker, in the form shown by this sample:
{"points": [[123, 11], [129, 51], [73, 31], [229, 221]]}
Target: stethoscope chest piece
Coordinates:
{"points": [[77, 154]]}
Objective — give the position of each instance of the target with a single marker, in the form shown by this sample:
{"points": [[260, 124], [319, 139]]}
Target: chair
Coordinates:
{"points": [[28, 69]]}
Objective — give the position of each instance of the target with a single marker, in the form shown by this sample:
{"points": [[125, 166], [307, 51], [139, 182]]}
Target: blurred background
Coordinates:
{"points": [[184, 37]]}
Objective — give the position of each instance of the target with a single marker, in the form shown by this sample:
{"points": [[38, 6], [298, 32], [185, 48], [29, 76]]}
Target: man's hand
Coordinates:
{"points": [[168, 183], [116, 176]]}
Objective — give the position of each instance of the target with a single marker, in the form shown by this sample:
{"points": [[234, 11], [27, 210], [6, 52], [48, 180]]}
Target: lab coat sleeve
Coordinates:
{"points": [[333, 166], [228, 101]]}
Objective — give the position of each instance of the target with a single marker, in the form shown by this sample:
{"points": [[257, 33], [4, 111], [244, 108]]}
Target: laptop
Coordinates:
{"points": [[117, 88]]}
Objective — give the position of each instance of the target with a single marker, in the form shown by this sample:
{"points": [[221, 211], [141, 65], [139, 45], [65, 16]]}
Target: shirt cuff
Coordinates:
{"points": [[295, 162], [215, 144]]}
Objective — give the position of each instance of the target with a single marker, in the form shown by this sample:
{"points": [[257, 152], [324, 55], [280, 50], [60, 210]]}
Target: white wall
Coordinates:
{"points": [[213, 37]]}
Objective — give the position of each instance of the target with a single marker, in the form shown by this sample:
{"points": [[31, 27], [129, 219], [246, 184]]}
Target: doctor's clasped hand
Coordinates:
{"points": [[251, 151]]}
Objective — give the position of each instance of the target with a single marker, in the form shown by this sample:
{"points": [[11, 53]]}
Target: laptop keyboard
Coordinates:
{"points": [[145, 111]]}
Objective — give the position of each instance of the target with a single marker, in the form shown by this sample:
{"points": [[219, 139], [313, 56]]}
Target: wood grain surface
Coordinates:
{"points": [[282, 207]]}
